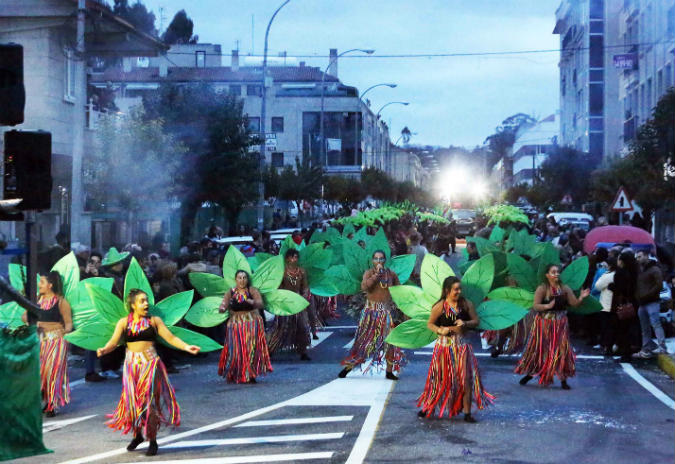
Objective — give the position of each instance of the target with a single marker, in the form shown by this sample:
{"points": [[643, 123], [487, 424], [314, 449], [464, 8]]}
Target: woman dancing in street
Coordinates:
{"points": [[548, 352], [453, 379], [376, 322], [55, 320], [148, 398], [244, 356]]}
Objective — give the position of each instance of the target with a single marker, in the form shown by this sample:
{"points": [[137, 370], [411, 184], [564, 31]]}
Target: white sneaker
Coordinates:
{"points": [[110, 374], [643, 354], [597, 347], [660, 350]]}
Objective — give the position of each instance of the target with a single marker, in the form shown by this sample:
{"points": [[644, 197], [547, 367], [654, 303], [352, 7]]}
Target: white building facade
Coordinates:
{"points": [[532, 147]]}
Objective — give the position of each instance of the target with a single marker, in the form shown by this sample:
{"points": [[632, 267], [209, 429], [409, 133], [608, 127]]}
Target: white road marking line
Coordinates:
{"points": [[248, 459], [75, 383], [367, 433], [373, 373], [256, 440], [298, 421], [349, 345], [329, 327], [59, 424], [665, 399], [485, 355], [322, 337]]}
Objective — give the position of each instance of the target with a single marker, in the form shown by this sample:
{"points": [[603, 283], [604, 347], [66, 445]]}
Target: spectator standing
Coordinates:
{"points": [[649, 284], [607, 319], [623, 288]]}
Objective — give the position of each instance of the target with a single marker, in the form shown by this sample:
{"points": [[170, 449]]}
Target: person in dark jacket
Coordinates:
{"points": [[649, 284], [623, 289]]}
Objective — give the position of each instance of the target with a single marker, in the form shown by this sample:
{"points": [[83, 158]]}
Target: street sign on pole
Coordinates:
{"points": [[566, 200], [271, 141], [621, 202]]}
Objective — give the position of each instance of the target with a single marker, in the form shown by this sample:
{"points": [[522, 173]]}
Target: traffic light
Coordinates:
{"points": [[12, 92], [28, 169]]}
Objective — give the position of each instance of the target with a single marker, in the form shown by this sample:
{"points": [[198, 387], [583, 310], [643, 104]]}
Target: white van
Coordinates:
{"points": [[582, 220]]}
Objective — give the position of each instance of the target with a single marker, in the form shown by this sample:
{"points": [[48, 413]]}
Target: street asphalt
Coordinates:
{"points": [[303, 413]]}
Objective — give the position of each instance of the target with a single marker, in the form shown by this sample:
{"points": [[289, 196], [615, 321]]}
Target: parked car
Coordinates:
{"points": [[465, 220], [582, 220]]}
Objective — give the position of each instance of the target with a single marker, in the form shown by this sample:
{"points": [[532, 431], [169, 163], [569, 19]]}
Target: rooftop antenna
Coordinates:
{"points": [[161, 18], [237, 44], [252, 34]]}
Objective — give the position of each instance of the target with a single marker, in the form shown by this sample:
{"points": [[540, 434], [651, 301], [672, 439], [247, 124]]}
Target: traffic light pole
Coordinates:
{"points": [[32, 265]]}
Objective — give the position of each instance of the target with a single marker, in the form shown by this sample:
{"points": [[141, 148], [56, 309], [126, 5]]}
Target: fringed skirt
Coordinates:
{"points": [[54, 370], [245, 355], [148, 399], [453, 371], [327, 307], [548, 352], [369, 346], [289, 333], [512, 339]]}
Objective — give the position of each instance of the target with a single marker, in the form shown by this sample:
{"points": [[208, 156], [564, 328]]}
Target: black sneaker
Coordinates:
{"points": [[343, 373], [304, 357], [525, 379], [564, 385], [421, 414], [469, 418], [93, 377], [152, 448], [51, 413], [315, 337], [138, 439], [391, 376]]}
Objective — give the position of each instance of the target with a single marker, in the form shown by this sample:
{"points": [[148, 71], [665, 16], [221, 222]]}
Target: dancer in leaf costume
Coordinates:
{"points": [[453, 379], [245, 355], [376, 322], [148, 399], [548, 352], [292, 332], [55, 320]]}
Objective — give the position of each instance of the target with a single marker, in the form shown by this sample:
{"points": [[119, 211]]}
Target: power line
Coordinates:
{"points": [[453, 54]]}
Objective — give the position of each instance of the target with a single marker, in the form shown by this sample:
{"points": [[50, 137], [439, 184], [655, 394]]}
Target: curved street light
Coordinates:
{"points": [[263, 115], [324, 152], [377, 116], [356, 119]]}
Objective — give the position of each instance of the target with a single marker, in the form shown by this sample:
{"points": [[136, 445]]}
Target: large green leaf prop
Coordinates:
{"points": [[269, 275], [432, 274], [361, 234], [411, 334], [204, 313], [403, 266], [575, 274], [17, 276], [135, 278], [234, 261], [483, 246], [315, 256], [378, 242], [284, 302], [331, 235], [193, 338], [497, 315], [288, 243], [348, 230], [590, 305], [477, 280], [10, 314], [343, 280], [208, 284], [69, 270], [547, 254], [172, 308], [256, 260], [412, 300], [82, 306], [91, 336], [519, 296], [521, 242], [356, 259], [497, 234], [521, 271]]}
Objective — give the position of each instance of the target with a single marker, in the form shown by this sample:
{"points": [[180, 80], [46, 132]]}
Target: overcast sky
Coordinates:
{"points": [[453, 100]]}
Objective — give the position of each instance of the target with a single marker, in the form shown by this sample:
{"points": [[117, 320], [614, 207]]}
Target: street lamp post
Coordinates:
{"points": [[323, 152], [263, 115], [356, 118], [377, 115]]}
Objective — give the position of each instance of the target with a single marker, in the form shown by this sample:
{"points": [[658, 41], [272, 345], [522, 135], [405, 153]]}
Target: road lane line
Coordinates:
{"points": [[256, 440], [75, 383], [59, 424], [322, 337], [349, 345], [298, 421], [329, 327], [247, 459], [369, 429], [485, 355], [647, 385]]}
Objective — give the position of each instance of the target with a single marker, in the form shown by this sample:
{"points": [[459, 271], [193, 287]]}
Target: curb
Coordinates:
{"points": [[667, 364]]}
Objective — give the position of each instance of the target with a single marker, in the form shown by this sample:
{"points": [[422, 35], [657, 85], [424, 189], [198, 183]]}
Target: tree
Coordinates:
{"points": [[501, 142], [378, 184], [302, 183], [648, 171], [180, 30], [218, 167], [137, 14], [347, 191], [134, 165], [567, 171]]}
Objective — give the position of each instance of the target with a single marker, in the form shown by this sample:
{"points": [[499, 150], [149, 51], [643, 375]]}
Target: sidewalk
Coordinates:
{"points": [[667, 361]]}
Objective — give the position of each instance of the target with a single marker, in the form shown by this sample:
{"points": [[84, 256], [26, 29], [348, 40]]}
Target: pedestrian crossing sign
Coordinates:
{"points": [[621, 202]]}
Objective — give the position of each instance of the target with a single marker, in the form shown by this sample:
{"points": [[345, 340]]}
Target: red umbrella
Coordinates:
{"points": [[616, 234]]}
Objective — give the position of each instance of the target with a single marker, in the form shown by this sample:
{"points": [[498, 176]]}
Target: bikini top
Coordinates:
{"points": [[560, 300], [140, 331], [450, 315], [237, 301], [49, 310]]}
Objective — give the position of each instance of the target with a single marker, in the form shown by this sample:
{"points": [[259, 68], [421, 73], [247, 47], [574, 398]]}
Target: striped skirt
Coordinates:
{"points": [[54, 370], [245, 355], [369, 346], [548, 352], [289, 333], [148, 399], [453, 372]]}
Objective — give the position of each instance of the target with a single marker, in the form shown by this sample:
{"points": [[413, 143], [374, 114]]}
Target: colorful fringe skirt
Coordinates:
{"points": [[289, 333], [327, 307], [453, 368], [369, 346], [512, 339], [54, 369], [244, 356], [548, 352], [148, 399]]}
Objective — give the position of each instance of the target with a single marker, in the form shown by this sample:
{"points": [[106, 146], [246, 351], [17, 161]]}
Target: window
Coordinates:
{"points": [[649, 95], [277, 160], [596, 9], [69, 78], [596, 27], [595, 144], [200, 59], [595, 99], [254, 124], [596, 51], [595, 124], [669, 75], [278, 124], [596, 75], [670, 28], [235, 90], [254, 91]]}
